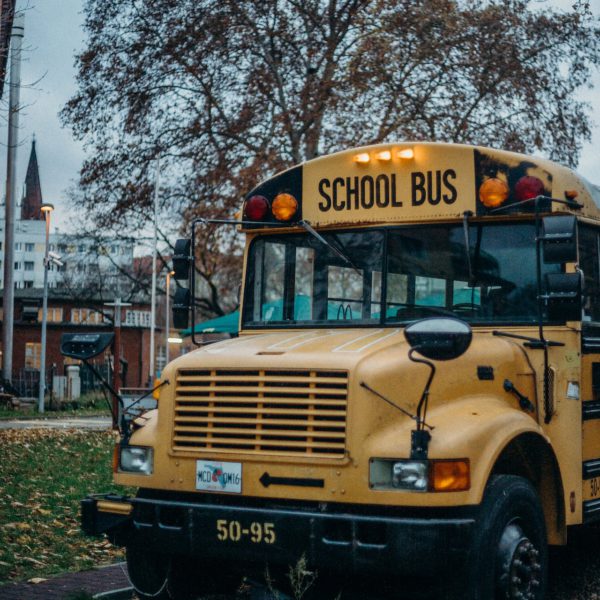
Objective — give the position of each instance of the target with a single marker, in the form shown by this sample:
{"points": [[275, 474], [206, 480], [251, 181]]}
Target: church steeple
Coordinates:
{"points": [[32, 200]]}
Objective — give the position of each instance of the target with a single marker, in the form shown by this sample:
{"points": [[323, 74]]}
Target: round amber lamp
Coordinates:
{"points": [[493, 192], [284, 207]]}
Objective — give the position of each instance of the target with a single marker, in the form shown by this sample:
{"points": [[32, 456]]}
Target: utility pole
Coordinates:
{"points": [[46, 210], [167, 316], [117, 304], [8, 301], [152, 373]]}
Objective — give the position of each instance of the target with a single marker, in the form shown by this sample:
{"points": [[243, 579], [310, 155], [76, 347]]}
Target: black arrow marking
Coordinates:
{"points": [[267, 480]]}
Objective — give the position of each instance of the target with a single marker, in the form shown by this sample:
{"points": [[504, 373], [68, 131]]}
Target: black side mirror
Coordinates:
{"points": [[559, 239], [181, 308], [182, 259], [84, 345], [564, 296], [439, 338]]}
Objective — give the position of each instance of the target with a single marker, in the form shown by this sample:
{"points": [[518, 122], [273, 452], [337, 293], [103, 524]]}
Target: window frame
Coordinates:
{"points": [[383, 321], [289, 291]]}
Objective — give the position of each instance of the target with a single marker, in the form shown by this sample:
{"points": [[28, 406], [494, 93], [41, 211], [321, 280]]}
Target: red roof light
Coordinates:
{"points": [[256, 208], [529, 187]]}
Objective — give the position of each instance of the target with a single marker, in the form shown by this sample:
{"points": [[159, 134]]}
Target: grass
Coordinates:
{"points": [[43, 476], [92, 404], [9, 415]]}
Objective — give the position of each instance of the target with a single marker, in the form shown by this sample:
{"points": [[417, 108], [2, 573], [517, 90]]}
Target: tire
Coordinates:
{"points": [[148, 573], [161, 577], [509, 552]]}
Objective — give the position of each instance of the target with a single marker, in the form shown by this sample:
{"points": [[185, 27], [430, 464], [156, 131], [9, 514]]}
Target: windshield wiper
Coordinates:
{"points": [[339, 252], [471, 263], [466, 216]]}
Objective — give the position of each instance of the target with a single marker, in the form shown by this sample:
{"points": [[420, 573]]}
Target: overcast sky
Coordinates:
{"points": [[52, 36]]}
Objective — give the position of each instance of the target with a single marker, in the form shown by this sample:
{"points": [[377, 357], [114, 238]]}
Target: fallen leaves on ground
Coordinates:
{"points": [[43, 476]]}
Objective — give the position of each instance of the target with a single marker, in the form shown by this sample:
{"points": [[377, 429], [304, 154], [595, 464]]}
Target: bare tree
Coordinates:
{"points": [[227, 92]]}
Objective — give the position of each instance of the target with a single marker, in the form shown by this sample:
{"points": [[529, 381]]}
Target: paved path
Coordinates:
{"points": [[92, 582], [94, 423]]}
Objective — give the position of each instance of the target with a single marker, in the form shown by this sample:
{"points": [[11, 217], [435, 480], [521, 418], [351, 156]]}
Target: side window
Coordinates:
{"points": [[589, 245]]}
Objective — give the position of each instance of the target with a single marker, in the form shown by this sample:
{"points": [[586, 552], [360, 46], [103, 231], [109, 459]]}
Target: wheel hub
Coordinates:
{"points": [[519, 567]]}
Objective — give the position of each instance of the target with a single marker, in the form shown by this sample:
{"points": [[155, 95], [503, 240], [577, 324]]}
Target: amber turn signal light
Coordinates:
{"points": [[284, 207], [450, 475], [493, 192], [156, 390]]}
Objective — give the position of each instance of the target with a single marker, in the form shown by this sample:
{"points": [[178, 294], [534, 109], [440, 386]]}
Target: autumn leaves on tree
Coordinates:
{"points": [[227, 92]]}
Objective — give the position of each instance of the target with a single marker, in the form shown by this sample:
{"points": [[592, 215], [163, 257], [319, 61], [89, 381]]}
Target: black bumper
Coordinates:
{"points": [[341, 541]]}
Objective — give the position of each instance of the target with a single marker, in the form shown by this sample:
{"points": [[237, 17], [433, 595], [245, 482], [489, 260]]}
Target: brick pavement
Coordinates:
{"points": [[62, 587]]}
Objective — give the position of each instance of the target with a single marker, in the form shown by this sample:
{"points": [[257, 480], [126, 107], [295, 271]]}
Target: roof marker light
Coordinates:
{"points": [[362, 158], [384, 155], [493, 192], [406, 153]]}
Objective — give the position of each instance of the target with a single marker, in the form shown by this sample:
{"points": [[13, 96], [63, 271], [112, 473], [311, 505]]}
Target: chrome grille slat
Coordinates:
{"points": [[271, 412]]}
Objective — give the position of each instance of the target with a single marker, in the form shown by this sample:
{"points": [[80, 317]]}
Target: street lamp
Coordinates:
{"points": [[46, 210], [167, 324]]}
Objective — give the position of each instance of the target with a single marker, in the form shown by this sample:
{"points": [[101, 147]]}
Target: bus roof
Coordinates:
{"points": [[412, 182]]}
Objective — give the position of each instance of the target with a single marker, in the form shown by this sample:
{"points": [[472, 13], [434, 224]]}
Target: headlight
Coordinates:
{"points": [[396, 474], [420, 475], [410, 475], [136, 459]]}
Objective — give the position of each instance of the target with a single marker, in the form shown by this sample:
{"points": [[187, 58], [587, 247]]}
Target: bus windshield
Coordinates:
{"points": [[394, 275]]}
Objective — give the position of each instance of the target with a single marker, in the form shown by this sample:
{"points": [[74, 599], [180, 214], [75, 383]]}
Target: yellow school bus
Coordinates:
{"points": [[414, 394]]}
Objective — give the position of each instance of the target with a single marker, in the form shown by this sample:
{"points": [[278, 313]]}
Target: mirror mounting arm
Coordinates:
{"points": [[420, 437], [122, 427]]}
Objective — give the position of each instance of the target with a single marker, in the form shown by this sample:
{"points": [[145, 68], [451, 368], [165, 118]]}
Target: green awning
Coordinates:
{"points": [[225, 324]]}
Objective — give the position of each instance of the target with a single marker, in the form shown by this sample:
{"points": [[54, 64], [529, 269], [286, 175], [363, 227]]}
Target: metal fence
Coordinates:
{"points": [[27, 381], [89, 382]]}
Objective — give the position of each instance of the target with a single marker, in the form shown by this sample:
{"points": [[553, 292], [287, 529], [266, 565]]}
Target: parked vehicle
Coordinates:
{"points": [[415, 390]]}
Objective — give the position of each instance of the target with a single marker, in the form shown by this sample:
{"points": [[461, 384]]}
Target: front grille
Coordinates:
{"points": [[265, 412]]}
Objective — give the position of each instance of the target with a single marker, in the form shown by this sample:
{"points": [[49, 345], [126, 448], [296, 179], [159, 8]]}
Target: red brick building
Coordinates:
{"points": [[68, 315]]}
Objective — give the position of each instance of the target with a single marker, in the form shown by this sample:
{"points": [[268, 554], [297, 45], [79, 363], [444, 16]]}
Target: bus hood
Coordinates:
{"points": [[309, 348], [367, 352]]}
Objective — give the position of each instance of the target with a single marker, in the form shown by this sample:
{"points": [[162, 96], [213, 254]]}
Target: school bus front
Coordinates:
{"points": [[404, 397]]}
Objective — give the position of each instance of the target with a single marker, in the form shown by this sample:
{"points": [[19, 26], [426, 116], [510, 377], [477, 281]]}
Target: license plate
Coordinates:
{"points": [[214, 476]]}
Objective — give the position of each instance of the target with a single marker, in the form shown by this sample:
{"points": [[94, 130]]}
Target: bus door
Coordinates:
{"points": [[589, 263]]}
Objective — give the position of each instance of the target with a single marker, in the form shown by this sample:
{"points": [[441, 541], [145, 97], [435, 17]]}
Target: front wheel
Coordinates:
{"points": [[509, 554], [163, 577], [148, 573]]}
